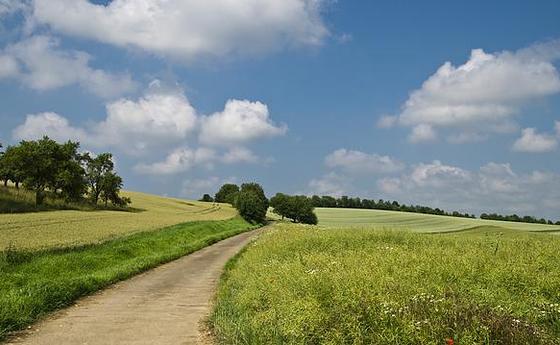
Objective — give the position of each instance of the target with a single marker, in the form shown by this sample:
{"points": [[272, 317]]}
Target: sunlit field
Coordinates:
{"points": [[68, 228], [340, 217], [322, 285]]}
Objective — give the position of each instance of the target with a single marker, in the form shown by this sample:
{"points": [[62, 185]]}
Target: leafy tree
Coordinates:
{"points": [[252, 203], [11, 166], [227, 193], [207, 198], [111, 185], [97, 168], [298, 208]]}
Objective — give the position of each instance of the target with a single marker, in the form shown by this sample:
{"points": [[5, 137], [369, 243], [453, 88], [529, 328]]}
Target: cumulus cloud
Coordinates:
{"points": [[40, 64], [531, 141], [485, 93], [8, 7], [358, 162], [194, 188], [422, 133], [55, 126], [239, 155], [178, 161], [188, 29], [495, 187], [330, 184], [238, 123], [156, 120]]}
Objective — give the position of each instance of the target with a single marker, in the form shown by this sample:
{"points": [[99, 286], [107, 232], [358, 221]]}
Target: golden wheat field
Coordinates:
{"points": [[68, 228]]}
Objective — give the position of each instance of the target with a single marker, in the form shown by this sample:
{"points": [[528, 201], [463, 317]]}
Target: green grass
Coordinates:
{"points": [[318, 285], [340, 217], [33, 283]]}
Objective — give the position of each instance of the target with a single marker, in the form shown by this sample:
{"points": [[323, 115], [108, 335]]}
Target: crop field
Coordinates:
{"points": [[69, 228], [322, 285], [340, 217]]}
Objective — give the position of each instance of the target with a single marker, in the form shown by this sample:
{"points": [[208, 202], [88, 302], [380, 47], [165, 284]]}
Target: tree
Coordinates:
{"points": [[96, 169], [227, 193], [251, 203], [298, 208], [11, 166], [70, 178], [207, 198], [110, 186]]}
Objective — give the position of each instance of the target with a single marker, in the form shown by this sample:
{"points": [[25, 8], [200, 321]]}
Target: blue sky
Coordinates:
{"points": [[328, 97]]}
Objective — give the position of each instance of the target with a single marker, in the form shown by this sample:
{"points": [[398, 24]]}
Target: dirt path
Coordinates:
{"points": [[161, 306]]}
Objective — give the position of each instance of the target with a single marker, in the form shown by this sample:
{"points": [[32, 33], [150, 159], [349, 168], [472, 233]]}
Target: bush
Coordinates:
{"points": [[227, 193]]}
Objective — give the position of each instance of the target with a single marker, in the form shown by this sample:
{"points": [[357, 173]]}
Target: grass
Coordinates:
{"points": [[41, 230], [33, 283], [340, 217], [321, 285]]}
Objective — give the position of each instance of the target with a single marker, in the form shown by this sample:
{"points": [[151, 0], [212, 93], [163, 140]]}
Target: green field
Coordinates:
{"points": [[340, 217], [321, 285], [70, 228]]}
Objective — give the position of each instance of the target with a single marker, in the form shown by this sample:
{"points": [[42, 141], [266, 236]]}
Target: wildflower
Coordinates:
{"points": [[450, 341]]}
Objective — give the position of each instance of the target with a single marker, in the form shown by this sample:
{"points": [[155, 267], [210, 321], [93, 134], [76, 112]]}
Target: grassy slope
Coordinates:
{"points": [[313, 285], [338, 217], [69, 228], [34, 283]]}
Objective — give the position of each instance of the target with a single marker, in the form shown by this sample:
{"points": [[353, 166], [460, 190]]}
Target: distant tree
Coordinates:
{"points": [[227, 193], [11, 166], [251, 203], [97, 168], [298, 208], [207, 198]]}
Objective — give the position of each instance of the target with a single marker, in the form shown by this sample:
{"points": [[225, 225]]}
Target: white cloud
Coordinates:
{"points": [[157, 120], [239, 155], [189, 29], [239, 122], [9, 67], [178, 161], [330, 184], [422, 133], [485, 93], [358, 162], [495, 187], [531, 141], [40, 64], [55, 126]]}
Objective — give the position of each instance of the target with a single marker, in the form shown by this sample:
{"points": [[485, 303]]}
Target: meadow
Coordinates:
{"points": [[58, 228], [33, 283], [356, 218], [327, 285]]}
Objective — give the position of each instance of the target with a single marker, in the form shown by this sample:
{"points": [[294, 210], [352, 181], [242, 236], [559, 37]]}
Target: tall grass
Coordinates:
{"points": [[33, 283], [307, 285]]}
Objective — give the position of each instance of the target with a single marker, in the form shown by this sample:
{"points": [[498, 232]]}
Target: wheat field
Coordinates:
{"points": [[358, 218], [70, 228]]}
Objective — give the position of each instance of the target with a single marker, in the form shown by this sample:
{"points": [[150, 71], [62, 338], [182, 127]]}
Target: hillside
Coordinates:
{"points": [[65, 228], [339, 217]]}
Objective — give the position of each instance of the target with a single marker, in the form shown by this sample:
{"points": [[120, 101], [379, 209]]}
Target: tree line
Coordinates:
{"points": [[47, 167], [519, 219], [348, 202]]}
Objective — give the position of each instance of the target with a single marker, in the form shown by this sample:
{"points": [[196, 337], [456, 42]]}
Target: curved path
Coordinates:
{"points": [[162, 306]]}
